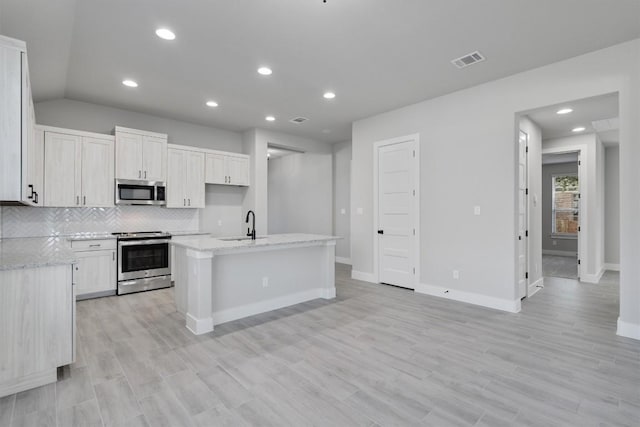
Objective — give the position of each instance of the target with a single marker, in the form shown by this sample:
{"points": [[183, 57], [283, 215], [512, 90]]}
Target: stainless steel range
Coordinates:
{"points": [[143, 261]]}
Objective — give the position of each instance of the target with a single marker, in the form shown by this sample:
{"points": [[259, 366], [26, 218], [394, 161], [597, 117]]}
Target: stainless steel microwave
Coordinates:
{"points": [[138, 192]]}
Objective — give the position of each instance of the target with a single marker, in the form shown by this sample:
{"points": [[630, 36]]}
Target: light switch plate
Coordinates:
{"points": [[343, 211], [476, 210], [359, 211]]}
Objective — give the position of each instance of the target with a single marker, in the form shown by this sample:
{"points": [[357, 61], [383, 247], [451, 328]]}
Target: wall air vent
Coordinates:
{"points": [[606, 124], [298, 120], [470, 59]]}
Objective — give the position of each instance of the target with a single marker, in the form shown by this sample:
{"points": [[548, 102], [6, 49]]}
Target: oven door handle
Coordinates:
{"points": [[143, 242]]}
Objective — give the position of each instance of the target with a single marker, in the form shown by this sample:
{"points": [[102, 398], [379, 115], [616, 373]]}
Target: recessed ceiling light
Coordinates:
{"points": [[329, 95], [270, 118], [265, 71], [129, 83], [564, 111], [212, 104], [165, 34], [578, 129]]}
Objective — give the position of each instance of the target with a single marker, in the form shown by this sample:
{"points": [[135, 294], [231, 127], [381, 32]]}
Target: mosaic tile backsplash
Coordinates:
{"points": [[23, 221]]}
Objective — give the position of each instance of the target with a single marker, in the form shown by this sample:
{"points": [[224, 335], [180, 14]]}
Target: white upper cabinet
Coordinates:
{"points": [[96, 160], [78, 169], [227, 169], [21, 148], [185, 182], [140, 155]]}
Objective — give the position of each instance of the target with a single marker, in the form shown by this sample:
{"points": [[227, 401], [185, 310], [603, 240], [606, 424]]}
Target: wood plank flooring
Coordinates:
{"points": [[560, 266], [374, 356]]}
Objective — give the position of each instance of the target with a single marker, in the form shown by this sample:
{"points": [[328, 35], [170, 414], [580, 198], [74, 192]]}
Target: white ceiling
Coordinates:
{"points": [[585, 111], [377, 55]]}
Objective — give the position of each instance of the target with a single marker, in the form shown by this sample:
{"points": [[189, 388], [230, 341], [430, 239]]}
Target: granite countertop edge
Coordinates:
{"points": [[213, 244]]}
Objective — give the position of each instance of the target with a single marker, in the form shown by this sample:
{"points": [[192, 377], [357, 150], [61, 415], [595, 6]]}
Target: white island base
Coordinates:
{"points": [[219, 281]]}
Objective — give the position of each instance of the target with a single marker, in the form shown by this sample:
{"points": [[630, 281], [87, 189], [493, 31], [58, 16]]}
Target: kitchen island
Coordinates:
{"points": [[218, 280]]}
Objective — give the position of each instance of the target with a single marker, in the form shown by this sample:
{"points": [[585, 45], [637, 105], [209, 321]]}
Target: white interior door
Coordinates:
{"points": [[396, 214], [523, 275]]}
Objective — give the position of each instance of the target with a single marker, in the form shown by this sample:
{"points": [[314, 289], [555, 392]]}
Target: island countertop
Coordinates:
{"points": [[229, 244], [33, 252]]}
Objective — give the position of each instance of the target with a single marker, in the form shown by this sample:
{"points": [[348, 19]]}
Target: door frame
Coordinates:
{"points": [[415, 137], [527, 219]]}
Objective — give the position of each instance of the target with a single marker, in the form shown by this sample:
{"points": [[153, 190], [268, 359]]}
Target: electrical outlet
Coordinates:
{"points": [[476, 210], [219, 223], [456, 274], [265, 282], [343, 211], [359, 211], [554, 242]]}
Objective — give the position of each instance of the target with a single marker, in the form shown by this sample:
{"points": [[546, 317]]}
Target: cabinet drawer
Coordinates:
{"points": [[93, 245]]}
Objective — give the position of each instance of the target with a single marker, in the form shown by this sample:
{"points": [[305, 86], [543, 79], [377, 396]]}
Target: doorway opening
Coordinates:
{"points": [[571, 168]]}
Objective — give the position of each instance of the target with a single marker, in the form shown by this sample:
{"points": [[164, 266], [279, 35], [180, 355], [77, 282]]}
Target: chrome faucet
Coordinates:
{"points": [[251, 232]]}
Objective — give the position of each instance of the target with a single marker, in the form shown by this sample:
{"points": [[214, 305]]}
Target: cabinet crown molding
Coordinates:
{"points": [[123, 129]]}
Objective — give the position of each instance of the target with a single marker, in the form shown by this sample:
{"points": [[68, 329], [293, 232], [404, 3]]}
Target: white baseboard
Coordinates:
{"points": [[592, 278], [512, 306], [559, 253], [365, 277], [343, 260], [199, 326], [252, 309], [535, 287], [612, 267], [629, 330]]}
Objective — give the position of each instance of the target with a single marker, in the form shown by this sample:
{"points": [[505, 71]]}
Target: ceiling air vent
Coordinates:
{"points": [[470, 59], [298, 120]]}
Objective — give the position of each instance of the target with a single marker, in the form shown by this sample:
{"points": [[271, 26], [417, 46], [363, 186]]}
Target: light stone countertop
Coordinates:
{"points": [[103, 235], [188, 233], [33, 252], [223, 244]]}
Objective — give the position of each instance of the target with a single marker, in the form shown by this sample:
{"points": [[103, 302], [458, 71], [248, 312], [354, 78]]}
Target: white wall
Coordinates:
{"points": [[612, 206], [85, 116], [534, 184], [255, 143], [342, 199], [223, 214], [570, 246], [468, 142], [300, 195]]}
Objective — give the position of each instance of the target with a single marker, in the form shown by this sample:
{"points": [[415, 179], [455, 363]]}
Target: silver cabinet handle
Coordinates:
{"points": [[184, 202], [84, 200], [145, 174], [189, 202], [113, 256], [77, 200], [97, 245], [139, 174]]}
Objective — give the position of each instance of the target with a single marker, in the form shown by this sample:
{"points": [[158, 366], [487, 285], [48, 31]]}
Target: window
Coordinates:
{"points": [[565, 204]]}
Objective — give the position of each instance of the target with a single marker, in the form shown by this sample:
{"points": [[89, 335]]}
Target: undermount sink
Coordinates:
{"points": [[238, 239]]}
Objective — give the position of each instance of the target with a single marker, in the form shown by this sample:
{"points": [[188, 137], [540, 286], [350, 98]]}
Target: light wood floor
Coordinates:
{"points": [[376, 355], [560, 266]]}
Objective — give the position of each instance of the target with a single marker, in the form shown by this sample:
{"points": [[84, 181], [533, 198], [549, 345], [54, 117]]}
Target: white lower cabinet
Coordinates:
{"points": [[185, 178], [96, 270], [37, 314]]}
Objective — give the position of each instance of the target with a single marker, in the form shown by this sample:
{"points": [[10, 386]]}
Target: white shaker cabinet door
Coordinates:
{"points": [[194, 169], [61, 177], [97, 172], [215, 169], [154, 158], [128, 156], [238, 170], [95, 272], [176, 194]]}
